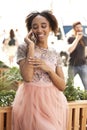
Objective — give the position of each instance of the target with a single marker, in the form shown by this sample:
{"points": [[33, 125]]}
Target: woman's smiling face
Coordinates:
{"points": [[41, 28]]}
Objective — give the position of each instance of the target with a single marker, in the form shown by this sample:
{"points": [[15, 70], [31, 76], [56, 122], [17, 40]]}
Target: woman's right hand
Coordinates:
{"points": [[27, 39]]}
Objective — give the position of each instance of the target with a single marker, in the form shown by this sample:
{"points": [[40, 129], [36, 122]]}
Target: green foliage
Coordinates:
{"points": [[82, 94], [73, 93], [13, 74], [8, 85], [10, 78], [7, 97], [2, 65]]}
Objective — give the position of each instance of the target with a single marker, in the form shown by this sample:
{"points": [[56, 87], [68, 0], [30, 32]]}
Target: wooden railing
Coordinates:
{"points": [[77, 115], [5, 118]]}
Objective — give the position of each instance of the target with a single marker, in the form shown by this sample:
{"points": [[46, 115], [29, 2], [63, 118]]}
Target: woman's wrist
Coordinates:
{"points": [[30, 51]]}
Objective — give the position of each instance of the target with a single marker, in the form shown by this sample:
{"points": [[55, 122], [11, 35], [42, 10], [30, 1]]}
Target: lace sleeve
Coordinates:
{"points": [[59, 60], [21, 52]]}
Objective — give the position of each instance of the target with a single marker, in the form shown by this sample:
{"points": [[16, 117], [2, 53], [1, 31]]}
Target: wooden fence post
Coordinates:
{"points": [[77, 115], [5, 118]]}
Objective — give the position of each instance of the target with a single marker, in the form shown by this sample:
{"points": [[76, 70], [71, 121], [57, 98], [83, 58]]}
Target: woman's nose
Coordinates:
{"points": [[39, 29]]}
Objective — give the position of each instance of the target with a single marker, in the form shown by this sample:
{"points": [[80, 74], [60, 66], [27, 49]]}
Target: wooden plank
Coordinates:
{"points": [[83, 118], [5, 118], [70, 119], [8, 121], [1, 121], [76, 118]]}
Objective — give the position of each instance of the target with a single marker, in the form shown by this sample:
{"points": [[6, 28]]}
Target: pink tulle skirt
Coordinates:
{"points": [[39, 108]]}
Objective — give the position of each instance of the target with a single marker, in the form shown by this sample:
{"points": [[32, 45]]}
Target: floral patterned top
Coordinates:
{"points": [[50, 56]]}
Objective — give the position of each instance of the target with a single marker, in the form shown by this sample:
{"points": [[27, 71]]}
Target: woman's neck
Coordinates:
{"points": [[42, 45]]}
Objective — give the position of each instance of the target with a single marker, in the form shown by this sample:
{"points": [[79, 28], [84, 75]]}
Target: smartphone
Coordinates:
{"points": [[33, 37]]}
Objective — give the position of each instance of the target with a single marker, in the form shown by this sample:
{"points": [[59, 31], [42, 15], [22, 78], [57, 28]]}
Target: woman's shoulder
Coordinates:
{"points": [[21, 52], [22, 46]]}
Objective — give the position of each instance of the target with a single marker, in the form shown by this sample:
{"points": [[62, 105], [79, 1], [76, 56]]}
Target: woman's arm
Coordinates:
{"points": [[57, 78], [26, 67]]}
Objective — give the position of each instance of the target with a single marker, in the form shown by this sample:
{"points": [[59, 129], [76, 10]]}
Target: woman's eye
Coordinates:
{"points": [[44, 25], [35, 27]]}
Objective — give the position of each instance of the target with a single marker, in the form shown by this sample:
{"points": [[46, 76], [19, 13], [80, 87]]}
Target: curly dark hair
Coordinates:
{"points": [[48, 15], [12, 34]]}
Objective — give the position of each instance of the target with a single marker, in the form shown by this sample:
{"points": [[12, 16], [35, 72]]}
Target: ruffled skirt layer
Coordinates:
{"points": [[39, 108]]}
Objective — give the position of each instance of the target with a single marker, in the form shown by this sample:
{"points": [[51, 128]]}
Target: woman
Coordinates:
{"points": [[40, 103], [10, 46]]}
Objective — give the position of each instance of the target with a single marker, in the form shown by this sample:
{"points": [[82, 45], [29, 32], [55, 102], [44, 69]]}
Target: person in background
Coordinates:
{"points": [[39, 102], [10, 45], [77, 59]]}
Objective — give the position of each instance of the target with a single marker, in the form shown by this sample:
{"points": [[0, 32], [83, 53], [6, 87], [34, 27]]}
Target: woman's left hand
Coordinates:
{"points": [[38, 63]]}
